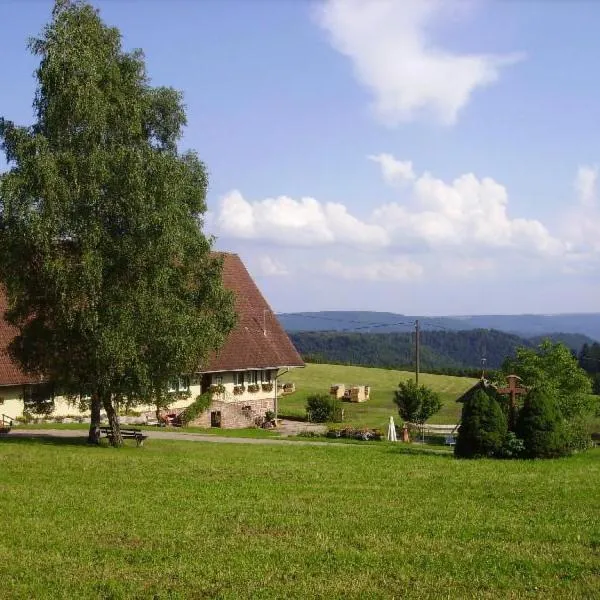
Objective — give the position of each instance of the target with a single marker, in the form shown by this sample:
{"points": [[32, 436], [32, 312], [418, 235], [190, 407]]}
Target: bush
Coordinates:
{"points": [[512, 447], [482, 429], [577, 434], [194, 410], [352, 433], [541, 427], [322, 408]]}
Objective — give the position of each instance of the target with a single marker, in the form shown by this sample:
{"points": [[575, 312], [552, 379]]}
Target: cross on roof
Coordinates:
{"points": [[513, 390]]}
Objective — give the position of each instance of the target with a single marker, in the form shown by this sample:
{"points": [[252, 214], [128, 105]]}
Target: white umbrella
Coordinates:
{"points": [[391, 435]]}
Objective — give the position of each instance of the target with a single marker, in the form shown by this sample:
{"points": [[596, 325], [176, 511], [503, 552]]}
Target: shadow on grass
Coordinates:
{"points": [[45, 439]]}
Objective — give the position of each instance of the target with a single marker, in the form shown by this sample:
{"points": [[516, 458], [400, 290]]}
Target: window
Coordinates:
{"points": [[217, 380], [238, 378], [266, 376], [179, 384], [252, 377]]}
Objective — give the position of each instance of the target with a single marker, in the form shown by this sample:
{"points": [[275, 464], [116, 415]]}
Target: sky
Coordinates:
{"points": [[424, 157]]}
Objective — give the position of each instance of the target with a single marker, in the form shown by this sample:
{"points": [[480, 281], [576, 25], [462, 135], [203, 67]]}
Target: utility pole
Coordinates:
{"points": [[417, 352]]}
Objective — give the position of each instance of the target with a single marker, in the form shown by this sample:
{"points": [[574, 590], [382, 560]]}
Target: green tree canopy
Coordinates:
{"points": [[416, 403], [483, 427], [110, 280], [553, 368]]}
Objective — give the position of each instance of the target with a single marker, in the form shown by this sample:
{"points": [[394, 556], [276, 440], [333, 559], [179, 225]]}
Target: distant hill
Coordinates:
{"points": [[449, 351], [385, 322]]}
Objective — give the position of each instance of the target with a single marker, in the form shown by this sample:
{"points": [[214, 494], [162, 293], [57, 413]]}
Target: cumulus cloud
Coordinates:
{"points": [[586, 182], [465, 212], [269, 267], [465, 221], [303, 222], [397, 269], [393, 171], [582, 222], [395, 56]]}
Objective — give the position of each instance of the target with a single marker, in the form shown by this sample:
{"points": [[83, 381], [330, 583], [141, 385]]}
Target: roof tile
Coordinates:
{"points": [[258, 341]]}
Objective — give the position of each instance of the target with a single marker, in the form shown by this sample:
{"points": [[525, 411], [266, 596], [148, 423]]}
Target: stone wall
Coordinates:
{"points": [[236, 415]]}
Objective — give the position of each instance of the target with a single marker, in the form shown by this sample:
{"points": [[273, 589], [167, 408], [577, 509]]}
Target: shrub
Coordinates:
{"points": [[541, 427], [267, 387], [512, 446], [578, 436], [321, 408], [253, 388], [238, 390], [352, 433], [270, 415], [194, 410], [482, 429], [310, 434]]}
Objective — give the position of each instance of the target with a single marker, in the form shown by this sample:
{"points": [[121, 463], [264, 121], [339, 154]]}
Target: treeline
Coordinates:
{"points": [[443, 352], [455, 371], [589, 360]]}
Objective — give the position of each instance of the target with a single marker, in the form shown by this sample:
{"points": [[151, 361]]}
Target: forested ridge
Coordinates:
{"points": [[452, 351]]}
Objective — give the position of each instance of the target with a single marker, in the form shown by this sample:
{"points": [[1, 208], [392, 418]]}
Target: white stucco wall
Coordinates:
{"points": [[12, 405], [228, 379]]}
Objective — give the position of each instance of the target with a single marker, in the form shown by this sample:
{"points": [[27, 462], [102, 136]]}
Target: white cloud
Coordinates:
{"points": [[393, 171], [581, 222], [395, 56], [303, 222], [586, 182], [464, 224], [468, 213], [396, 269], [269, 267]]}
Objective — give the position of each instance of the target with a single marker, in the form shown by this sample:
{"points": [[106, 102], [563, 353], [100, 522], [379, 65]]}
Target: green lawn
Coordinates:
{"points": [[201, 520], [377, 411]]}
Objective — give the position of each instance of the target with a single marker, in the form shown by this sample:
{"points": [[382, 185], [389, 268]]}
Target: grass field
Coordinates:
{"points": [[376, 412], [191, 520]]}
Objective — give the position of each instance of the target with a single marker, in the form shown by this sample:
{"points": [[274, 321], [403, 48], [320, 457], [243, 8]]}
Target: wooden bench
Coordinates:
{"points": [[126, 434]]}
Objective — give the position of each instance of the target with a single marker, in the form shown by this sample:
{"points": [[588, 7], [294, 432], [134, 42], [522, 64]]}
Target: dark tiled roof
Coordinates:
{"points": [[482, 384], [258, 340], [248, 346]]}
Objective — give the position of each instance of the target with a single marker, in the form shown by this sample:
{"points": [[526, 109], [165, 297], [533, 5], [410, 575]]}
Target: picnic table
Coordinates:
{"points": [[126, 434]]}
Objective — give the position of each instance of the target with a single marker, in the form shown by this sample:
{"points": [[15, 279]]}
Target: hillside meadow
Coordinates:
{"points": [[201, 520], [318, 378]]}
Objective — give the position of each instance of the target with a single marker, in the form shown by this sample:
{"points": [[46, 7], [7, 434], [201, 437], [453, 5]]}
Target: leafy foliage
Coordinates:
{"points": [[541, 426], [482, 429], [322, 408], [553, 367], [416, 403], [455, 352], [196, 408], [111, 283]]}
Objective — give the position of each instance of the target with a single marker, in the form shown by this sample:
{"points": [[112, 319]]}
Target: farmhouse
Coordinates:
{"points": [[242, 375]]}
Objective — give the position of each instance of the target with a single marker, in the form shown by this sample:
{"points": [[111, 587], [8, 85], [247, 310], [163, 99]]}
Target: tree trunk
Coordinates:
{"points": [[94, 434], [113, 420]]}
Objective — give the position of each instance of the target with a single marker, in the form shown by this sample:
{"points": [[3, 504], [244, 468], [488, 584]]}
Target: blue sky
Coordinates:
{"points": [[415, 156]]}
